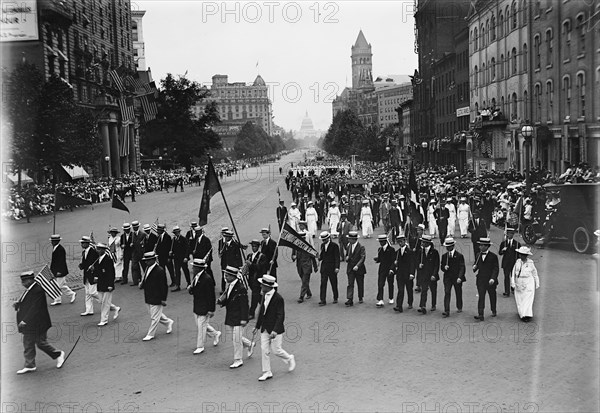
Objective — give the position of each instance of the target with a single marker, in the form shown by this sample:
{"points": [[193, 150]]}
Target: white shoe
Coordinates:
{"points": [[60, 360], [102, 323], [236, 364], [379, 303], [217, 338], [56, 303], [116, 313], [266, 376], [147, 338], [73, 297], [292, 363], [26, 370], [86, 313], [199, 350], [170, 326], [391, 301], [251, 349]]}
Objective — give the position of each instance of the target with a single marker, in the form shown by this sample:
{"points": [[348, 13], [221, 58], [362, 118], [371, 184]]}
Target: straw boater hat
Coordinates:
{"points": [[293, 204], [325, 235], [524, 250], [193, 224], [265, 230], [113, 229], [233, 271], [382, 238], [198, 262], [150, 255], [268, 280], [427, 238], [135, 224], [27, 274], [55, 237], [126, 225], [85, 238], [228, 233], [176, 229], [147, 227], [102, 246], [353, 235], [448, 242], [484, 241], [421, 226], [255, 242], [224, 229]]}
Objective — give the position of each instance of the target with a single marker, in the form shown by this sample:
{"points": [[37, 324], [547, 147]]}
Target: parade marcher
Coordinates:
{"points": [[333, 217], [33, 321], [259, 264], [191, 236], [201, 248], [441, 215], [235, 301], [138, 242], [343, 229], [428, 268], [268, 247], [59, 269], [385, 258], [104, 278], [431, 218], [89, 257], [304, 264], [453, 267], [404, 268], [330, 266], [395, 215], [356, 270], [202, 288], [486, 267], [114, 249], [294, 216], [524, 281], [366, 219], [415, 243], [270, 321], [154, 284], [163, 249], [464, 214], [508, 251], [384, 213], [179, 255], [477, 228], [127, 249], [281, 213], [311, 219], [151, 238], [451, 217], [320, 208], [487, 208], [230, 254]]}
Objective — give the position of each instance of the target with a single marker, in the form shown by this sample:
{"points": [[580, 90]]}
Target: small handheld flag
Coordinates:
{"points": [[45, 279]]}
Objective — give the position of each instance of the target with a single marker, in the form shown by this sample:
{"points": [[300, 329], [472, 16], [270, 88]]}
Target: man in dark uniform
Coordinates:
{"points": [[395, 220], [179, 255], [190, 235], [415, 244], [155, 289], [453, 267], [477, 230], [305, 263], [127, 247], [343, 229], [269, 248], [201, 248], [404, 268], [508, 249], [163, 248], [281, 213], [151, 239], [427, 273], [202, 288], [59, 269], [230, 255], [441, 215], [385, 258], [89, 256], [258, 267], [104, 277], [330, 266], [356, 269], [33, 321], [486, 267], [139, 239]]}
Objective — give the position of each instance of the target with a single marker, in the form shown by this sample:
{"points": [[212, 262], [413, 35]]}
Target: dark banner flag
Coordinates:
{"points": [[62, 200], [290, 238], [415, 210], [118, 203], [211, 187]]}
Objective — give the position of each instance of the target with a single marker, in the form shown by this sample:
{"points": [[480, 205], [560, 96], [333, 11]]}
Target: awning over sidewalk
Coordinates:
{"points": [[76, 172], [14, 178]]}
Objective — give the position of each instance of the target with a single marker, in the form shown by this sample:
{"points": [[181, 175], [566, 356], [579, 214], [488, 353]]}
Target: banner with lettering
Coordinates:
{"points": [[292, 239]]}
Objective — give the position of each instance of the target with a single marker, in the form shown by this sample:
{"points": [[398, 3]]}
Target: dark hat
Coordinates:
{"points": [[343, 214], [150, 255], [281, 201], [484, 241], [268, 280], [27, 274], [198, 262], [55, 237], [353, 235], [233, 271]]}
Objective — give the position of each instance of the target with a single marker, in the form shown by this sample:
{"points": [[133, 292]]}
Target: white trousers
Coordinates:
{"points": [[91, 293], [203, 329], [268, 346], [156, 316], [239, 341], [62, 283], [105, 304]]}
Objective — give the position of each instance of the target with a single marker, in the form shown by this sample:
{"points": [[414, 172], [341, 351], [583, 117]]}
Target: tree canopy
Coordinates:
{"points": [[253, 141]]}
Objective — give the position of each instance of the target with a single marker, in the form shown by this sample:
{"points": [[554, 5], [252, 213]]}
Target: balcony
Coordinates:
{"points": [[57, 11]]}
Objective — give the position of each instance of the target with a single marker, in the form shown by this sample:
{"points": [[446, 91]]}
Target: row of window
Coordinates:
{"points": [[504, 68], [514, 16], [243, 93]]}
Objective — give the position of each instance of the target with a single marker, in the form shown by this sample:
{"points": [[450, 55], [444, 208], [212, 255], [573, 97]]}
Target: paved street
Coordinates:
{"points": [[348, 359]]}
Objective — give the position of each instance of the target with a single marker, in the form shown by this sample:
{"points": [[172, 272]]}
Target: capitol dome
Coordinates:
{"points": [[307, 124]]}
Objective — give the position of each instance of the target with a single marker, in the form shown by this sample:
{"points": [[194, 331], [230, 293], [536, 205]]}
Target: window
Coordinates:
{"points": [[493, 28], [581, 33], [500, 25], [51, 60], [566, 31], [514, 61], [549, 46], [525, 105], [475, 75], [501, 65], [514, 14], [475, 39], [567, 94], [538, 102], [536, 51], [507, 64], [507, 14], [502, 108], [581, 92], [482, 35], [487, 31], [483, 75], [549, 98], [597, 87], [493, 67], [525, 57], [513, 109]]}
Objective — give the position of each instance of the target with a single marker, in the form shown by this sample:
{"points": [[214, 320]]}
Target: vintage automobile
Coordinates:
{"points": [[574, 219]]}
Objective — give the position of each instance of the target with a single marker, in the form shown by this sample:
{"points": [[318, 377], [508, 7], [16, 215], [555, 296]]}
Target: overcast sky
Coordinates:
{"points": [[302, 48]]}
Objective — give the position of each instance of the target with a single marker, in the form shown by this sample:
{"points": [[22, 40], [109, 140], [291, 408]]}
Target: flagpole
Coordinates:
{"points": [[278, 240], [54, 213]]}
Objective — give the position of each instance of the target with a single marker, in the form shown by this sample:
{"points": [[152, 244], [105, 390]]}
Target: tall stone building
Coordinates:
{"points": [[137, 35], [362, 64]]}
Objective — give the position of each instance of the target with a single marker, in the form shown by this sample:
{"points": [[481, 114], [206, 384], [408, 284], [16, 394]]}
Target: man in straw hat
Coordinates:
{"points": [[453, 267], [138, 242], [114, 250], [126, 244], [427, 272], [508, 251], [59, 269], [259, 265], [356, 270], [304, 264], [104, 278], [179, 254], [404, 268], [271, 317], [154, 284], [89, 257], [330, 266], [486, 267], [33, 321], [202, 288], [386, 255]]}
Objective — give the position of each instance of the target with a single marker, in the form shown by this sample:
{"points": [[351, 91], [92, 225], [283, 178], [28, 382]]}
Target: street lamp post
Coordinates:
{"points": [[107, 160], [423, 148], [387, 149], [527, 132], [160, 162]]}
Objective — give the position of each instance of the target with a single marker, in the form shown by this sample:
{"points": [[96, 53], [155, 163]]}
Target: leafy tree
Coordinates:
{"points": [[345, 129], [175, 127], [252, 141], [370, 145]]}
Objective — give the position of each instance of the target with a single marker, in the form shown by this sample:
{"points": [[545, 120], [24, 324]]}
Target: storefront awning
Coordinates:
{"points": [[14, 178], [76, 172]]}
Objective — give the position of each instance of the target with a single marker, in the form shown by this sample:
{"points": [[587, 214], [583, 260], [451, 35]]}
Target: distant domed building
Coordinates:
{"points": [[307, 130]]}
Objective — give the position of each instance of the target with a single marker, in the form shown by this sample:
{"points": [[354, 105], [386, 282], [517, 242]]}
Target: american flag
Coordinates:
{"points": [[243, 274], [154, 227], [124, 141], [149, 106], [46, 280], [127, 113], [116, 76]]}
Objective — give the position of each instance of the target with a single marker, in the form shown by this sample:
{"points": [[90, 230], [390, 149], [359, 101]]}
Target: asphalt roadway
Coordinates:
{"points": [[359, 359]]}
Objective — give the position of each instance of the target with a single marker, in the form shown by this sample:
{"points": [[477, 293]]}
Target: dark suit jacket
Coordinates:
{"points": [[281, 213], [32, 309], [385, 259], [150, 241], [127, 244], [404, 265], [304, 261], [201, 247], [510, 256], [272, 319], [104, 272], [343, 228], [257, 269], [270, 250], [330, 259], [139, 242], [431, 265], [456, 268], [356, 259], [487, 269], [59, 261], [231, 255], [477, 231], [236, 304], [190, 237], [204, 294], [180, 248], [163, 247], [155, 286], [84, 265]]}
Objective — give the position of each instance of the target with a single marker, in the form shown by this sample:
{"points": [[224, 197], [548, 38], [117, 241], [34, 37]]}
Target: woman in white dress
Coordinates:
{"points": [[311, 219], [366, 219], [524, 280], [114, 249], [452, 219], [333, 217], [464, 212], [294, 216], [431, 218]]}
